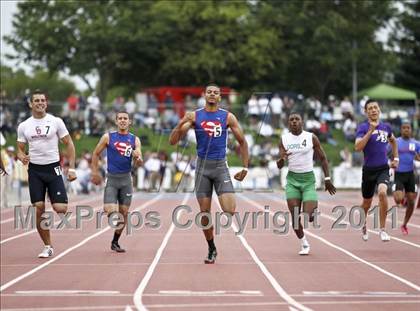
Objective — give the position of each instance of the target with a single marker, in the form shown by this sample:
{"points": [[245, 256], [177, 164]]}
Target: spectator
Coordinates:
{"points": [[130, 106], [346, 108], [253, 106], [276, 105], [349, 129], [93, 106], [264, 109], [73, 105], [152, 167], [346, 158], [314, 107], [201, 101], [118, 104], [326, 115], [313, 125], [8, 158]]}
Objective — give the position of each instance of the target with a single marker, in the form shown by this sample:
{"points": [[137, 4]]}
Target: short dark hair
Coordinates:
{"points": [[122, 111], [295, 112], [369, 101], [212, 84], [38, 92]]}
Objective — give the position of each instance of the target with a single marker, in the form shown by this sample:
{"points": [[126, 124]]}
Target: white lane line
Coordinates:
{"points": [[217, 305], [277, 287], [66, 292], [7, 220], [83, 201], [55, 223], [394, 276], [64, 253], [138, 294], [389, 221], [340, 293], [271, 262], [371, 231], [348, 224], [218, 293], [262, 304], [76, 308]]}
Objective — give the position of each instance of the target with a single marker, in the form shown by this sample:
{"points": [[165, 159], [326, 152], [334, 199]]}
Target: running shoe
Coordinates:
{"points": [[404, 229], [117, 248], [48, 251], [304, 250], [211, 257], [384, 236], [365, 234]]}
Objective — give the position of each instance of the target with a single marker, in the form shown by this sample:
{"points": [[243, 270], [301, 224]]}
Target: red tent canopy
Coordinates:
{"points": [[168, 95]]}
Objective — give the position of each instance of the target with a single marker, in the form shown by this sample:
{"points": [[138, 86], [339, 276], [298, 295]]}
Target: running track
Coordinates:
{"points": [[259, 270]]}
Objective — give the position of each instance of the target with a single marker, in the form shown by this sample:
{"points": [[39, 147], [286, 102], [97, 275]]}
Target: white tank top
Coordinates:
{"points": [[42, 136], [301, 159]]}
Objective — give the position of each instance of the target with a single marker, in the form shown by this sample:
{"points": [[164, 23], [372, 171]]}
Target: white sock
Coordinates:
{"points": [[304, 241]]}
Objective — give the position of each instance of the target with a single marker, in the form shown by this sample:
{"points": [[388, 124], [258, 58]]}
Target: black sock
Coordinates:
{"points": [[211, 244], [116, 237]]}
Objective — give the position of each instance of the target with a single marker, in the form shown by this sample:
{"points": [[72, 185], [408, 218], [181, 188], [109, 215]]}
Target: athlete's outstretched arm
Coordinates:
{"points": [[71, 154], [394, 145], [233, 123], [103, 142], [283, 155], [319, 152], [182, 128], [137, 156]]}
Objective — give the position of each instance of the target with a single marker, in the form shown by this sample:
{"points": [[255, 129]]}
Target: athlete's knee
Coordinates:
{"points": [[123, 210], [230, 209], [60, 208], [110, 208], [411, 199], [382, 194], [382, 189], [39, 207], [367, 202], [398, 198]]}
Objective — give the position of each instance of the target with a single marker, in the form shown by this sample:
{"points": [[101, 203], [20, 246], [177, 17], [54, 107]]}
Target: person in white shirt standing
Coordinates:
{"points": [[298, 148], [42, 132]]}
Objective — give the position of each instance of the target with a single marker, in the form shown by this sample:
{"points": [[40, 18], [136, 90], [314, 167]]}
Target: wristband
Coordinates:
{"points": [[72, 170], [327, 178], [397, 159]]}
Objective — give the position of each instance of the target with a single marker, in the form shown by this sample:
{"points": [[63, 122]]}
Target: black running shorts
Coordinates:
{"points": [[405, 181], [371, 177], [43, 178]]}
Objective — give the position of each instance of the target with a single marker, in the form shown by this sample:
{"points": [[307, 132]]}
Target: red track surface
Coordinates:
{"points": [[163, 268]]}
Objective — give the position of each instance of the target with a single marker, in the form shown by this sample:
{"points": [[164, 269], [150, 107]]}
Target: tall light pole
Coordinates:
{"points": [[354, 74]]}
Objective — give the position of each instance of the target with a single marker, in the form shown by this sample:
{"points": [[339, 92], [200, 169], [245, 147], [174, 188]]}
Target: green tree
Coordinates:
{"points": [[323, 37], [81, 37], [16, 82], [408, 39], [306, 46]]}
